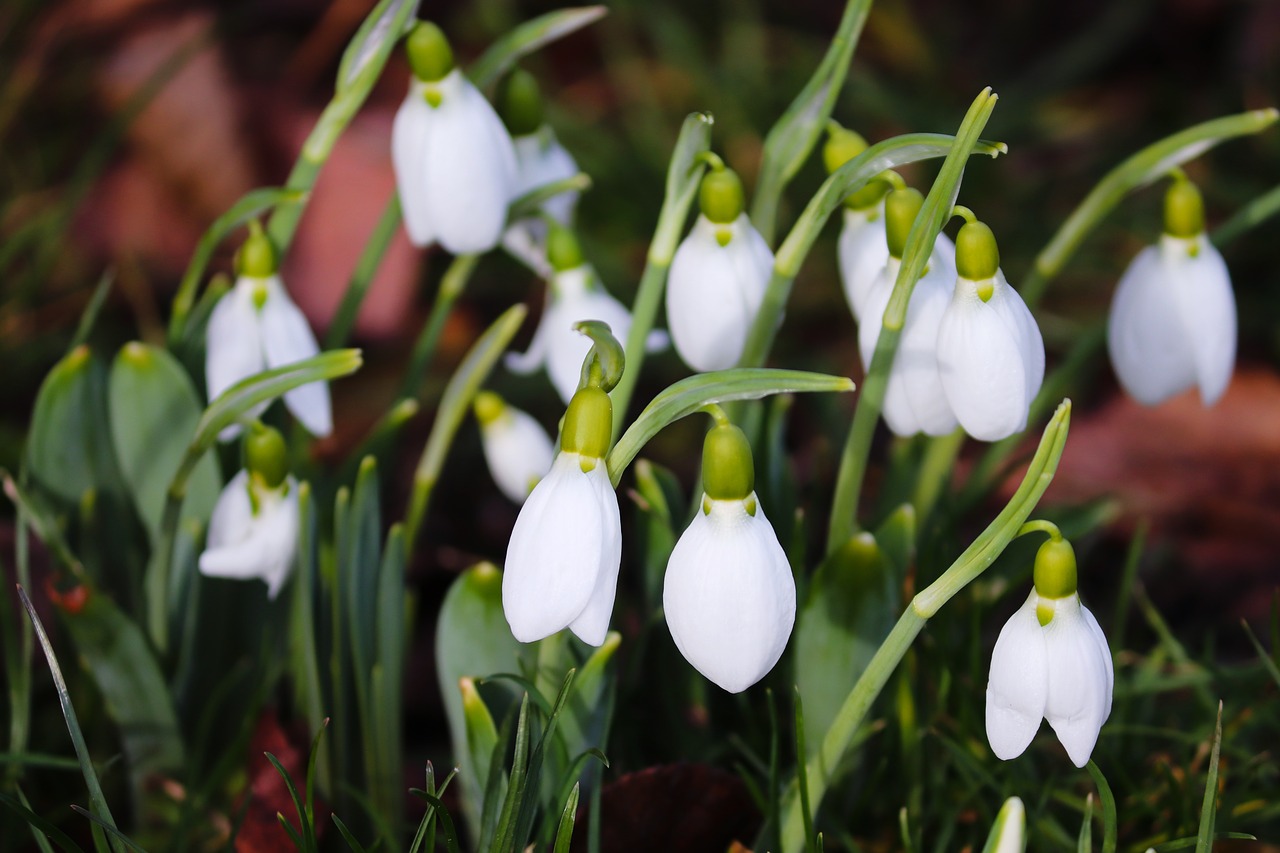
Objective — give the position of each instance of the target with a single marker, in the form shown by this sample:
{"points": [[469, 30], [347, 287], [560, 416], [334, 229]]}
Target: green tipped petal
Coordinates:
{"points": [[430, 55]]}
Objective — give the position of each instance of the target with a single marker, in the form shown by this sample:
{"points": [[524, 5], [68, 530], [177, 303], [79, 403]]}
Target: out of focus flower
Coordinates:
{"points": [[516, 447]]}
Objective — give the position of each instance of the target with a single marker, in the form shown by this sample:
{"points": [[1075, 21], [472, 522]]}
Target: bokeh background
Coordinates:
{"points": [[127, 126]]}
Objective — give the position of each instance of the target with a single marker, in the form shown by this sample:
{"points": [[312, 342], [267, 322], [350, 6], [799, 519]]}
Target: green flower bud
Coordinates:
{"points": [[1183, 209], [430, 55], [1055, 569], [720, 196], [563, 249], [488, 407], [588, 424], [728, 473], [977, 257], [519, 103], [265, 455], [900, 210], [257, 256]]}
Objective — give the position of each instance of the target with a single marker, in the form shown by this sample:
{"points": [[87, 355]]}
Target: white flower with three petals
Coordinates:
{"points": [[253, 533]]}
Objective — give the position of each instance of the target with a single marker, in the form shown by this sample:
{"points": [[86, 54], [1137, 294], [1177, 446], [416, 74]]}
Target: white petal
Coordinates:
{"points": [[410, 133], [714, 293], [566, 348], [242, 545], [729, 596], [1018, 686], [541, 160], [1200, 287], [470, 169], [592, 624], [1079, 680], [286, 339], [1145, 334], [231, 514], [554, 556], [535, 356], [982, 357], [1017, 316], [872, 310], [914, 399], [233, 346], [518, 451], [1011, 824], [862, 253]]}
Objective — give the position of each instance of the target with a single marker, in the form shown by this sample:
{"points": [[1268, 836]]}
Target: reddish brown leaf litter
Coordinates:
{"points": [[261, 831]]}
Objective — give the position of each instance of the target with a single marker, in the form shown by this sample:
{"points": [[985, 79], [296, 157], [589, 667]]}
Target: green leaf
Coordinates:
{"points": [[154, 409], [851, 606], [472, 640], [455, 403], [39, 826], [346, 834], [504, 838], [529, 203], [1209, 807], [307, 842], [794, 135], [92, 308], [657, 490], [691, 394], [1084, 843], [370, 47], [564, 831], [896, 537], [530, 36], [251, 204], [1150, 164], [115, 834], [446, 822], [68, 451]]}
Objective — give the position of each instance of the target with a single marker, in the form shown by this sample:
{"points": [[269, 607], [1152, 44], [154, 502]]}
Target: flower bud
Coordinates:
{"points": [[519, 103], [430, 55], [728, 473], [721, 196], [900, 210]]}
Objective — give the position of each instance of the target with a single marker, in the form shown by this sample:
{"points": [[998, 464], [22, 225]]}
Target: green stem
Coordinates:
{"points": [[644, 314], [1250, 216], [821, 768], [1039, 525], [451, 287], [935, 472], [362, 276]]}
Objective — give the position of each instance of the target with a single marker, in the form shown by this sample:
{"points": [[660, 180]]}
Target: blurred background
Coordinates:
{"points": [[127, 126]]}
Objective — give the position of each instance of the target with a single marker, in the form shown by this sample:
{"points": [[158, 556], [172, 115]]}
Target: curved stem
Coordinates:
{"points": [[451, 287], [1039, 525]]}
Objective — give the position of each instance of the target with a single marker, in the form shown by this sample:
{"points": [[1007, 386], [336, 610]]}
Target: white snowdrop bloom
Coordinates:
{"points": [[1051, 661], [714, 290], [990, 352], [516, 447], [253, 532], [454, 162], [914, 401], [566, 547], [1173, 319], [256, 327], [540, 160], [863, 253], [729, 595]]}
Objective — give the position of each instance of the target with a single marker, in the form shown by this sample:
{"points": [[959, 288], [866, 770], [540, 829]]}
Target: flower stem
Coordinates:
{"points": [[362, 276], [451, 287]]}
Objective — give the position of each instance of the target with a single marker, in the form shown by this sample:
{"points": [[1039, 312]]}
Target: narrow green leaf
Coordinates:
{"points": [[346, 834], [531, 202], [97, 802], [529, 37], [564, 831], [504, 838], [1253, 214], [115, 834], [1084, 843], [307, 841], [532, 778], [89, 317], [370, 47], [455, 403], [446, 822], [39, 826], [1110, 825], [1267, 663], [375, 248], [1150, 164], [691, 394], [1209, 808]]}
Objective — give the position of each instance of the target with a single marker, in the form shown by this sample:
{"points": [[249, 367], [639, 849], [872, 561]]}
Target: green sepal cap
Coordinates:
{"points": [[519, 103], [430, 55], [728, 472], [563, 250], [257, 256], [1183, 209], [488, 407], [1055, 569], [265, 456], [977, 256], [721, 196], [588, 423], [900, 210]]}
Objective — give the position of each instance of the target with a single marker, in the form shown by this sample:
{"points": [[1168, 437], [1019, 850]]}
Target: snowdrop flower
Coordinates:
{"points": [[566, 546], [729, 596], [990, 352], [516, 448], [863, 249], [1051, 661], [256, 326], [575, 295], [540, 160], [914, 401], [1173, 319], [718, 277], [454, 163], [253, 532]]}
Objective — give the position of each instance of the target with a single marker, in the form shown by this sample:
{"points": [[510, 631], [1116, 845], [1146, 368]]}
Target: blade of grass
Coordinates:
{"points": [[564, 832], [1209, 808], [1110, 827]]}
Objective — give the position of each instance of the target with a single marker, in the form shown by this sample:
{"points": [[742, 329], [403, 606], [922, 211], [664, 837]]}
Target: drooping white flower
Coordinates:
{"points": [[454, 162], [914, 401], [566, 547], [864, 251], [729, 596], [253, 532], [516, 447], [574, 295], [256, 327], [540, 160], [714, 290], [1051, 661], [1173, 322], [990, 352]]}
